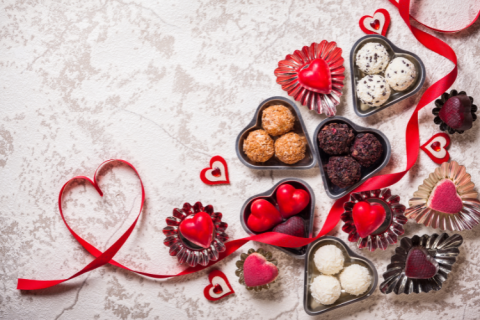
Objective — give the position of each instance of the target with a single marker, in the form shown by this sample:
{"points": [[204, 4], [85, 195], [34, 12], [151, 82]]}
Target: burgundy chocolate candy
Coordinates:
{"points": [[295, 226], [366, 149], [420, 265], [335, 138], [343, 171], [457, 112]]}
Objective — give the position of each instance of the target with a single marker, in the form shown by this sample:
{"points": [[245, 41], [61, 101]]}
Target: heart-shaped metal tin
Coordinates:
{"points": [[332, 190], [394, 52], [274, 164], [308, 214], [314, 308]]}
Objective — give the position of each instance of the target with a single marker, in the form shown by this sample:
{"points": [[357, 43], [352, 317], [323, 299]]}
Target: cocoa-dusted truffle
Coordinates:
{"points": [[290, 148], [258, 146], [343, 171], [277, 120], [335, 138], [366, 149]]}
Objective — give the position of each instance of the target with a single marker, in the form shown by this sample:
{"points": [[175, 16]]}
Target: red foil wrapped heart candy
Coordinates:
{"points": [[314, 76], [195, 234]]}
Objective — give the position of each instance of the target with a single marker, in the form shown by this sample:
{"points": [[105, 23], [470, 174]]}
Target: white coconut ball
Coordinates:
{"points": [[400, 74], [355, 279], [373, 90], [329, 259], [325, 289], [372, 58]]}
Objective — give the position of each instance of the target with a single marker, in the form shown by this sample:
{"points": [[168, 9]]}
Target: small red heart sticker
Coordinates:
{"points": [[436, 148], [217, 173], [219, 286], [378, 24]]}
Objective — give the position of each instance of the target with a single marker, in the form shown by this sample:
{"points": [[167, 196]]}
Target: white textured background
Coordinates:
{"points": [[166, 85]]}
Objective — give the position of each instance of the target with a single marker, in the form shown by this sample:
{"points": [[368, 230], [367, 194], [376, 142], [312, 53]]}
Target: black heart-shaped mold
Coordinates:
{"points": [[308, 214], [274, 164], [314, 308], [394, 52], [334, 191]]}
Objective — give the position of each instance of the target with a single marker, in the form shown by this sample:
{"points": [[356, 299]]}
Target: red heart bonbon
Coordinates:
{"points": [[198, 229], [368, 217], [291, 201], [257, 271], [420, 265], [316, 76], [263, 216]]}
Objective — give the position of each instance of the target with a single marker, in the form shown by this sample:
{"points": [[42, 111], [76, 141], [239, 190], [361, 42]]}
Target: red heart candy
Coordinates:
{"points": [[444, 198], [368, 217], [291, 201], [257, 271], [420, 265], [457, 112], [316, 76], [219, 286], [263, 216], [198, 229], [295, 226]]}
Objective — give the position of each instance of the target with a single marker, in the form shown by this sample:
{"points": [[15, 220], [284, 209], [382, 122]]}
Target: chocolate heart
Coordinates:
{"points": [[420, 265], [457, 112], [316, 76], [295, 226], [257, 271], [198, 229], [444, 198], [263, 216], [291, 201], [368, 217]]}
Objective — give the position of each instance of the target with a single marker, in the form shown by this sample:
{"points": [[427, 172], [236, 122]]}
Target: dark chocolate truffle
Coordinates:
{"points": [[343, 171], [335, 138], [366, 149]]}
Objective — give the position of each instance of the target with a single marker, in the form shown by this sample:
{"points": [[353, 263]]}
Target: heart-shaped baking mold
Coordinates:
{"points": [[274, 163], [314, 308], [394, 52], [332, 190], [307, 214]]}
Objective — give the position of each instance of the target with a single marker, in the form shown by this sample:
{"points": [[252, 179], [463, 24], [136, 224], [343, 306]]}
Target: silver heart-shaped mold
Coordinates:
{"points": [[394, 52]]}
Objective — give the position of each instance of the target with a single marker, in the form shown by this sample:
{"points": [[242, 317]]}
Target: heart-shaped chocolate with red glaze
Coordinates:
{"points": [[257, 271], [444, 198], [291, 201], [295, 226], [219, 286], [316, 76], [457, 112], [368, 217], [263, 216], [420, 265], [378, 24], [198, 229], [436, 148]]}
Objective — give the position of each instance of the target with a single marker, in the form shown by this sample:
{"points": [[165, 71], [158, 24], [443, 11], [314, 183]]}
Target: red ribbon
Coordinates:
{"points": [[412, 145]]}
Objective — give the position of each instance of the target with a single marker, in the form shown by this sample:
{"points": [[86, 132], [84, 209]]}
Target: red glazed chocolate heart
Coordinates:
{"points": [[444, 198], [257, 271], [263, 216], [291, 201], [420, 265], [368, 217], [316, 76], [295, 226], [198, 229], [457, 112]]}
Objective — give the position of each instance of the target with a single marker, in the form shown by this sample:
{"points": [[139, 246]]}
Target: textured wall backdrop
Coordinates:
{"points": [[166, 85]]}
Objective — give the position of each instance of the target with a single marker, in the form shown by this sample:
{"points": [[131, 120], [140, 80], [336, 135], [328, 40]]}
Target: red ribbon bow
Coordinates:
{"points": [[273, 238]]}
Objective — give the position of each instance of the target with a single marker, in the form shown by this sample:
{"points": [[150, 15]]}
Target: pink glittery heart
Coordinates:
{"points": [[444, 198]]}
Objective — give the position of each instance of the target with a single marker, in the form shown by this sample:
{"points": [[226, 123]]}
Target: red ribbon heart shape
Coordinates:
{"points": [[219, 286], [198, 229], [378, 24], [291, 201], [263, 216], [368, 217], [316, 76]]}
